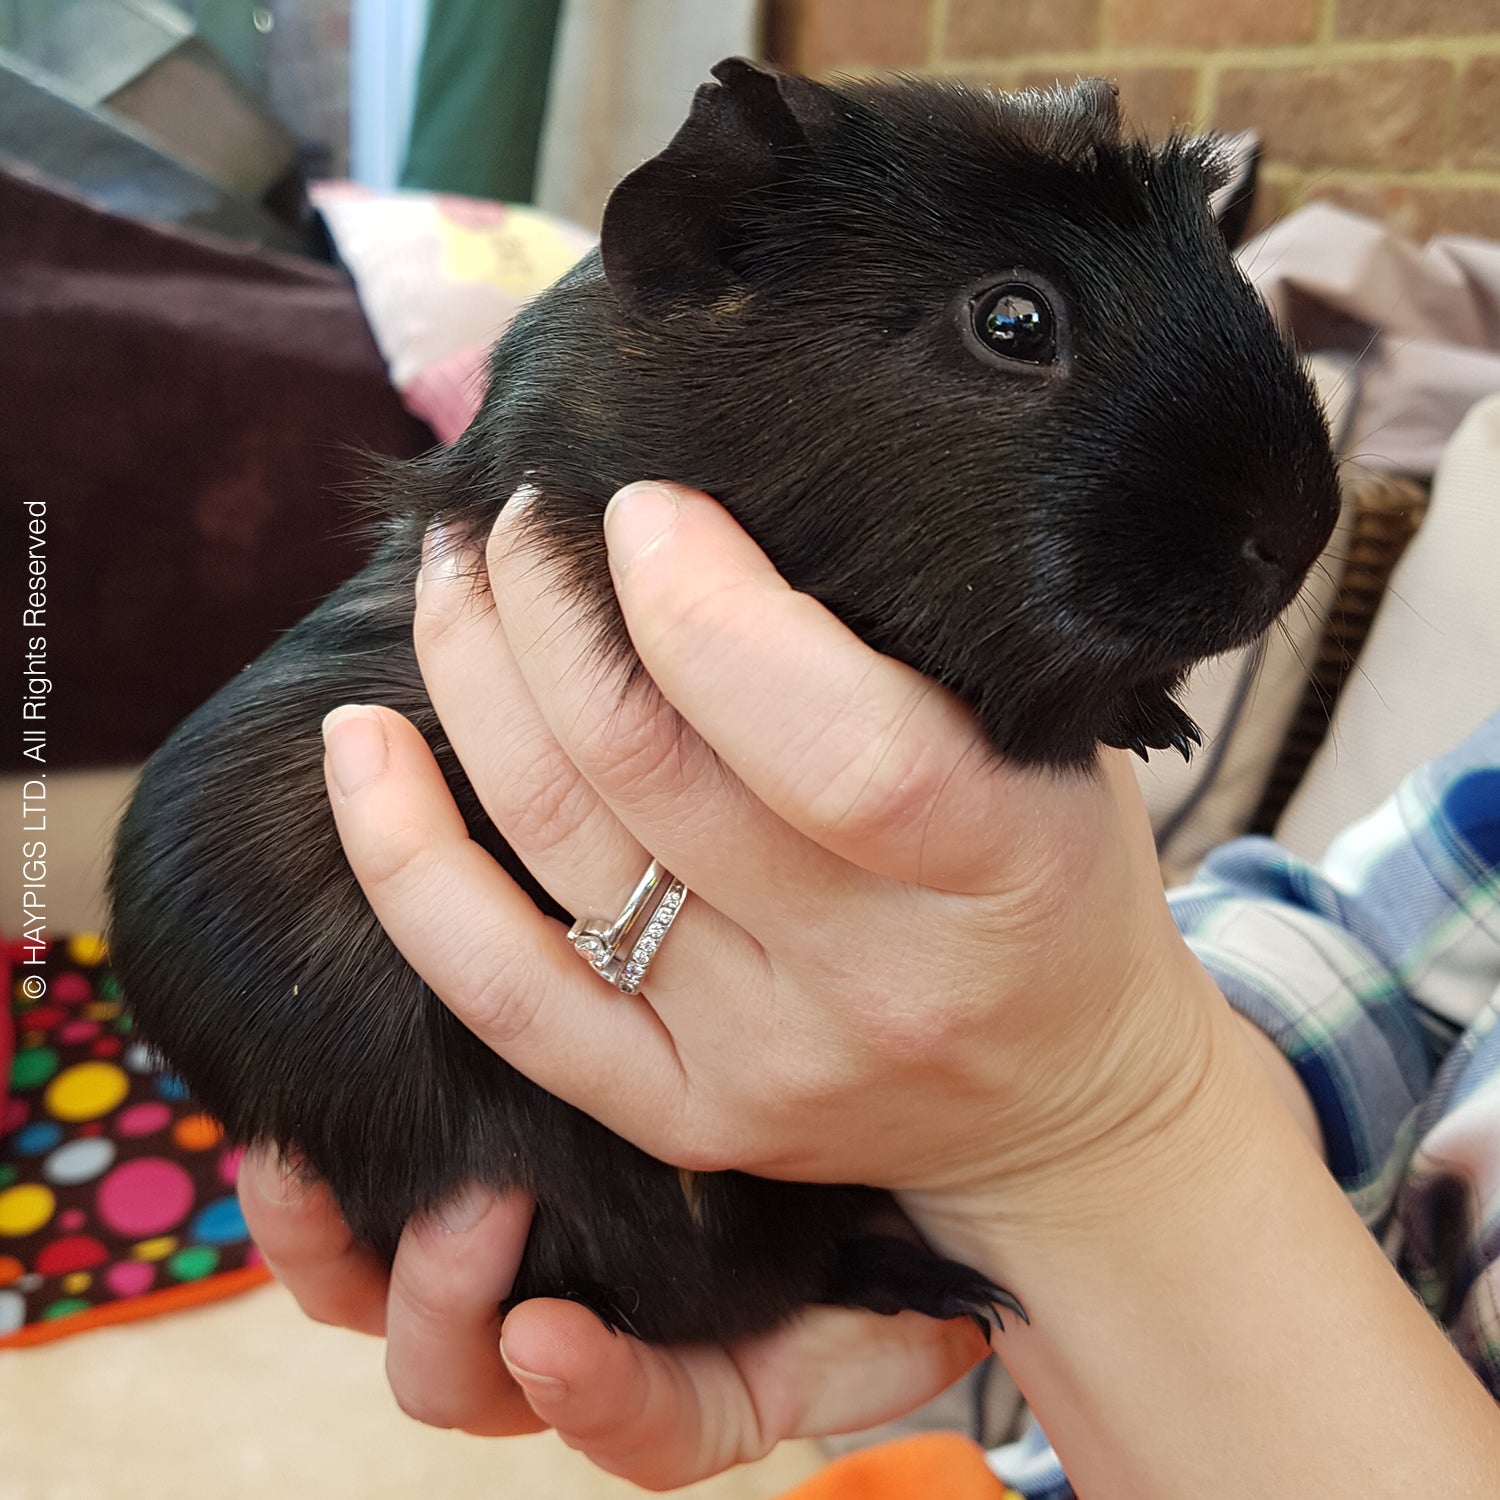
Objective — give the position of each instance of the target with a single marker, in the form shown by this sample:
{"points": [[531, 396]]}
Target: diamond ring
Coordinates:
{"points": [[621, 951]]}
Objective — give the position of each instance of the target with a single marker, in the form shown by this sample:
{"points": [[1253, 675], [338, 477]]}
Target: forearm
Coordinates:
{"points": [[1213, 1319], [1282, 1077]]}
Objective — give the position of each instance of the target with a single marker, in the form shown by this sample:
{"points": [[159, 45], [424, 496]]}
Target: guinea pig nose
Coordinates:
{"points": [[1261, 554]]}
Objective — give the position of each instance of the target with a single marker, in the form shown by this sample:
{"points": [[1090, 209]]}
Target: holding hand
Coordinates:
{"points": [[857, 889], [659, 1417], [901, 963]]}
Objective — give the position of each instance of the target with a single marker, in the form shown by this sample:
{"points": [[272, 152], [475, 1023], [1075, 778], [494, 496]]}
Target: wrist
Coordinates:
{"points": [[1208, 1315], [1171, 1100], [1283, 1078]]}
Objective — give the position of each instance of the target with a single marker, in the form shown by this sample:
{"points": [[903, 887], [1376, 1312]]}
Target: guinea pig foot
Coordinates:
{"points": [[889, 1275], [1156, 726], [604, 1303]]}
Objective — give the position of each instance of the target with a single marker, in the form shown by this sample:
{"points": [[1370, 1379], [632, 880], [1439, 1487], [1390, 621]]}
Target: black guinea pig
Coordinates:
{"points": [[979, 373]]}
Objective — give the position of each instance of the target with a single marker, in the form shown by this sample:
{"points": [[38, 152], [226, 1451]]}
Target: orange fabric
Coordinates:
{"points": [[930, 1466], [169, 1299]]}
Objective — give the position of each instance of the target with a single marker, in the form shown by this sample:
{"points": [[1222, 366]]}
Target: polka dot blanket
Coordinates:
{"points": [[116, 1193]]}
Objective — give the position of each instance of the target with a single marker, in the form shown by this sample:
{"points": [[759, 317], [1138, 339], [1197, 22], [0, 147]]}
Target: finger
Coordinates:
{"points": [[529, 788], [664, 1417], [300, 1231], [530, 785], [632, 1408], [450, 1275], [838, 1369], [861, 753], [656, 775], [503, 968]]}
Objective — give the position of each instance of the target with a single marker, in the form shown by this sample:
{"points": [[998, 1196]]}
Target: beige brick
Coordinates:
{"points": [[991, 76], [1416, 211], [1274, 197], [1155, 99], [1381, 18], [1476, 142], [1010, 28], [824, 36], [1386, 114], [1209, 23]]}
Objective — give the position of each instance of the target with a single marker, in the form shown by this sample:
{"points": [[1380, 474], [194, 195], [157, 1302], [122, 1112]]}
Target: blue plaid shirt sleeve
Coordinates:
{"points": [[1367, 967], [1377, 972]]}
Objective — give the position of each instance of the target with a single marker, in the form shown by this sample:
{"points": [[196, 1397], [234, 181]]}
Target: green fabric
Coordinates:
{"points": [[481, 89]]}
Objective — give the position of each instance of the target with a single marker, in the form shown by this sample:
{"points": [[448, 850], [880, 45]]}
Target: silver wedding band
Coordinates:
{"points": [[621, 951]]}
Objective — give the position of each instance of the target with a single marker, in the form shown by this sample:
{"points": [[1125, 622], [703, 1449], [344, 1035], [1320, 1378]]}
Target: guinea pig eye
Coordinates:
{"points": [[1015, 320]]}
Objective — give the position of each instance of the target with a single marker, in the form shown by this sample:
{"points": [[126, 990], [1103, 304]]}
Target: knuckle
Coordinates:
{"points": [[397, 852], [890, 782], [420, 1404], [675, 619], [635, 745], [500, 999], [707, 1157], [548, 803], [431, 1299], [933, 1033], [709, 1145], [631, 739]]}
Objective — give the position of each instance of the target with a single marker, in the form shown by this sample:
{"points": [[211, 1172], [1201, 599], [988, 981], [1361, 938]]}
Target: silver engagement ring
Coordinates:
{"points": [[621, 951]]}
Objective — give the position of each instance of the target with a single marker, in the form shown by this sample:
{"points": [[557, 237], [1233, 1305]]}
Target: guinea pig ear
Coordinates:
{"points": [[1069, 122], [666, 225], [1235, 167], [1097, 101]]}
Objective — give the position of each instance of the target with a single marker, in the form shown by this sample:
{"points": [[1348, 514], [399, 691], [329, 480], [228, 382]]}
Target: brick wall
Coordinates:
{"points": [[1391, 107]]}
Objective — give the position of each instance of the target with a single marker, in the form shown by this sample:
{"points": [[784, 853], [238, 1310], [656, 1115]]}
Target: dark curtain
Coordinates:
{"points": [[481, 90]]}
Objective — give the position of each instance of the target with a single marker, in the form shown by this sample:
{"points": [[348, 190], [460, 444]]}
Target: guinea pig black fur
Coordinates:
{"points": [[979, 373]]}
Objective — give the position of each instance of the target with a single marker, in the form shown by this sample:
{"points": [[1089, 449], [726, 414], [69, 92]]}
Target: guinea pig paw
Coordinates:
{"points": [[889, 1275], [1157, 726]]}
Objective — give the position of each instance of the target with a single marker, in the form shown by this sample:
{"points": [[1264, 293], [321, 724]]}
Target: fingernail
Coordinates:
{"points": [[465, 1209], [441, 549], [286, 1179], [538, 1388], [354, 741], [637, 519]]}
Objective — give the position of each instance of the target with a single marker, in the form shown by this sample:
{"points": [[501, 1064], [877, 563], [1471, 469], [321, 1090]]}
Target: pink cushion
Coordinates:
{"points": [[440, 278]]}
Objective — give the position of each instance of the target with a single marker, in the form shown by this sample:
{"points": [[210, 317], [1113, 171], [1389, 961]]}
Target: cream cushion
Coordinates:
{"points": [[1430, 671]]}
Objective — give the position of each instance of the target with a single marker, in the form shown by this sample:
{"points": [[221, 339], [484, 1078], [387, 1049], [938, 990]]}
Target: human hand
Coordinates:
{"points": [[659, 1417], [928, 971], [989, 989]]}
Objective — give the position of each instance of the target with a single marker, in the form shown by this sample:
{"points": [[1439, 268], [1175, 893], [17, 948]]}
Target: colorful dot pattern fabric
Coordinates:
{"points": [[117, 1194]]}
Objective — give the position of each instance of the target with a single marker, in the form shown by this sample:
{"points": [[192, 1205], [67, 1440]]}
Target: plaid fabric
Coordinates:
{"points": [[1377, 972]]}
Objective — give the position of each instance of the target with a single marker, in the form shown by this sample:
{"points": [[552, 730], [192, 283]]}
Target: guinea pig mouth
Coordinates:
{"points": [[1259, 587], [1214, 629], [1235, 629]]}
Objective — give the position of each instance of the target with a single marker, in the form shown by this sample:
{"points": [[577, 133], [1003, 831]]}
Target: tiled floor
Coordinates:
{"points": [[246, 1399]]}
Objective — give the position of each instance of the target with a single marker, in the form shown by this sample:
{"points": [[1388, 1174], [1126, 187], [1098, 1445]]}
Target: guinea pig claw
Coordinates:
{"points": [[887, 1274], [1187, 738], [1184, 735], [999, 1298], [986, 1317], [1157, 725]]}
